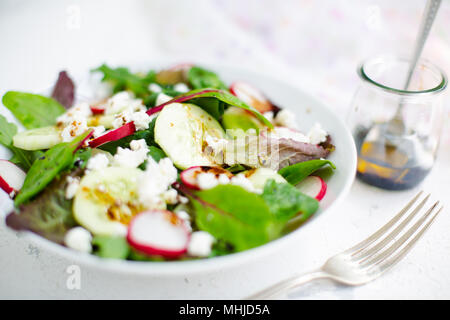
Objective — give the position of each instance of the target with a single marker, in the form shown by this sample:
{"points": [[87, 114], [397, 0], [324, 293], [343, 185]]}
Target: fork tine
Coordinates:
{"points": [[378, 258], [363, 254], [389, 263], [363, 244]]}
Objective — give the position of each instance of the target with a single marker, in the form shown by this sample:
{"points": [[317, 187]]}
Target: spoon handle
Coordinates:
{"points": [[429, 15]]}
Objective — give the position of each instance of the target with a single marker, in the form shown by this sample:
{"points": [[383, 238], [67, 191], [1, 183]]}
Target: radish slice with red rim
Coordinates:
{"points": [[11, 177], [158, 232], [113, 135], [251, 96], [98, 109], [189, 176], [313, 186]]}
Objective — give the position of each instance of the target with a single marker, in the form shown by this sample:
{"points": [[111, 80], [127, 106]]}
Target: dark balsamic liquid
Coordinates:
{"points": [[387, 166]]}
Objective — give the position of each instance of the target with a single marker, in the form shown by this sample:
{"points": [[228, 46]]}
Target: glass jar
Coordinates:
{"points": [[397, 129]]}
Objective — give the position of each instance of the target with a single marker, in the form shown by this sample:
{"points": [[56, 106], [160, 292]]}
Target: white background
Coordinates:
{"points": [[313, 44]]}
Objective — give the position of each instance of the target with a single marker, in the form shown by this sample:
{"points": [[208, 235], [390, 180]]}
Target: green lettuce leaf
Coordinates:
{"points": [[32, 110], [234, 215], [46, 168], [49, 215], [111, 247], [22, 158], [286, 202], [200, 78], [299, 171]]}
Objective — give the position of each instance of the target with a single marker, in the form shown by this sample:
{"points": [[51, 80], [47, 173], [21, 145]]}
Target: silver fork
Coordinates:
{"points": [[370, 258]]}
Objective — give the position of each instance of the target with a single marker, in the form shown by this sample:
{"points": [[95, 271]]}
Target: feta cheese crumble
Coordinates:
{"points": [[207, 180], [316, 134], [132, 157], [98, 131], [155, 182], [181, 87], [79, 112], [79, 239], [154, 87], [287, 133], [73, 183], [200, 244], [242, 181], [162, 98], [97, 162], [285, 118], [121, 101], [73, 129]]}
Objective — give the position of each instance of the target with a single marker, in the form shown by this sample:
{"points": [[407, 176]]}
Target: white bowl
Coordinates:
{"points": [[233, 276]]}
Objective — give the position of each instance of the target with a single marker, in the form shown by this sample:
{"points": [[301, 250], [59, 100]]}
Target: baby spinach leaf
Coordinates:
{"points": [[200, 78], [22, 158], [49, 215], [46, 168], [232, 214], [299, 171], [221, 95], [285, 201], [111, 247], [156, 153], [32, 110]]}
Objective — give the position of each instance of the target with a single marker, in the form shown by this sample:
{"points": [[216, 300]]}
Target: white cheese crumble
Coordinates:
{"points": [[141, 120], [170, 196], [78, 112], [155, 181], [132, 157], [121, 101], [286, 118], [73, 129], [97, 162], [186, 218], [200, 244], [79, 239], [154, 87], [162, 98], [207, 180], [316, 134], [181, 87], [242, 181], [73, 184], [268, 115], [287, 133], [223, 179], [98, 131]]}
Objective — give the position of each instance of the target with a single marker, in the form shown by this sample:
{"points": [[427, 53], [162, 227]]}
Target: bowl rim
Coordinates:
{"points": [[170, 268]]}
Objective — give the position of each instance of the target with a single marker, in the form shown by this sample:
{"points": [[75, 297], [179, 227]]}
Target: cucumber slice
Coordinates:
{"points": [[106, 200], [258, 177], [37, 139], [181, 131]]}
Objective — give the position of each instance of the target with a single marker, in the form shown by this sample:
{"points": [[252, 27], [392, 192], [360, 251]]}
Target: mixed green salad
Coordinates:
{"points": [[163, 165]]}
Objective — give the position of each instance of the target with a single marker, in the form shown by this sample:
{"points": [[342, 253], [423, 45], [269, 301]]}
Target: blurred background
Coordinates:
{"points": [[314, 44]]}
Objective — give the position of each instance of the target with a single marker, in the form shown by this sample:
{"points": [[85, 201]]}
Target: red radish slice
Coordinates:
{"points": [[11, 177], [189, 176], [251, 96], [98, 109], [158, 232], [313, 186], [114, 135], [178, 99]]}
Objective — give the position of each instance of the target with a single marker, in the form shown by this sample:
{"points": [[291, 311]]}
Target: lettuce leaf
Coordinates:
{"points": [[111, 247], [46, 168], [49, 215], [32, 110], [286, 202], [234, 215], [299, 171], [64, 90], [200, 78]]}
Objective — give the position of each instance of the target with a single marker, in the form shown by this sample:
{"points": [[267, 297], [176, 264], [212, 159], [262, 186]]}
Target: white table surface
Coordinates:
{"points": [[315, 49]]}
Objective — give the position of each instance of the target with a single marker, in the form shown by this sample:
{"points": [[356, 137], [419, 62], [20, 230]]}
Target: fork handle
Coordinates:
{"points": [[283, 287]]}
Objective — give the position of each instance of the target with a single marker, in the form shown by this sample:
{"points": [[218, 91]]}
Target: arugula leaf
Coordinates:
{"points": [[111, 247], [49, 215], [200, 78], [46, 168], [232, 214], [23, 158], [148, 135], [221, 95], [81, 158], [285, 201], [299, 171], [32, 110], [122, 79]]}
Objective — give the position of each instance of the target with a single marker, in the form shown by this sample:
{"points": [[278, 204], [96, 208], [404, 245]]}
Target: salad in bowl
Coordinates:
{"points": [[163, 165]]}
